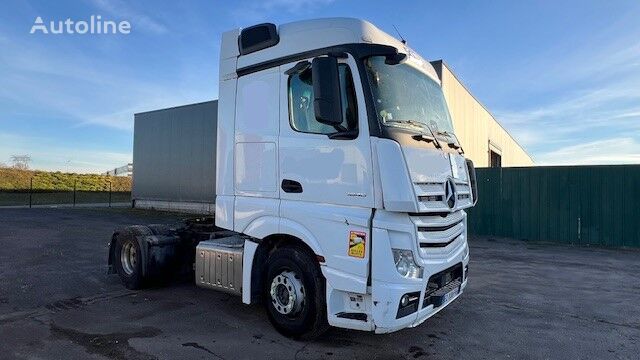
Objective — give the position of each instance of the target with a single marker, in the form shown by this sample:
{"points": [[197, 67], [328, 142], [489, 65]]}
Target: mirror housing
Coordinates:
{"points": [[473, 180], [395, 59], [326, 90]]}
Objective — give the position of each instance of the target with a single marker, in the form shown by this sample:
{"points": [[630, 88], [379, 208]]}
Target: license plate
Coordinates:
{"points": [[450, 295]]}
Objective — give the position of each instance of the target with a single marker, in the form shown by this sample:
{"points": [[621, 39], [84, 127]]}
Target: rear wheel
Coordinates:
{"points": [[128, 261], [295, 293]]}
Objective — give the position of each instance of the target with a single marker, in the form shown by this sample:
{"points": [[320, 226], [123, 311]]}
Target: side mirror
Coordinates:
{"points": [[326, 90]]}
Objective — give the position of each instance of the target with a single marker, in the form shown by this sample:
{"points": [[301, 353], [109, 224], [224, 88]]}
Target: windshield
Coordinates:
{"points": [[403, 94]]}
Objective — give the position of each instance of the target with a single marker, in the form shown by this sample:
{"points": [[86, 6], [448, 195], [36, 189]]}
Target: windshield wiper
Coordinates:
{"points": [[425, 137], [455, 144]]}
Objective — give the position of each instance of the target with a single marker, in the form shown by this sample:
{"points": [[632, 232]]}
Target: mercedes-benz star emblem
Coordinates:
{"points": [[450, 193]]}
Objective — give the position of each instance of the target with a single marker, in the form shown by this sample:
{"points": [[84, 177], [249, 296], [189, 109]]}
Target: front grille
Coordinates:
{"points": [[438, 231], [441, 284]]}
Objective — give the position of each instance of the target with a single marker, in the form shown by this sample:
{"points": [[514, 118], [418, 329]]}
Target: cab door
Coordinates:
{"points": [[326, 181]]}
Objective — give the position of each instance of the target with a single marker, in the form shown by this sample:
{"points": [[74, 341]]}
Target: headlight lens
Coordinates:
{"points": [[405, 264]]}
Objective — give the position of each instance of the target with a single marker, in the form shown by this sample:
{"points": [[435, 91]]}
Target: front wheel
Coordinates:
{"points": [[295, 293]]}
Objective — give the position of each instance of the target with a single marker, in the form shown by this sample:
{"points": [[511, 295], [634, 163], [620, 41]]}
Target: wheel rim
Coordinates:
{"points": [[287, 293], [128, 258]]}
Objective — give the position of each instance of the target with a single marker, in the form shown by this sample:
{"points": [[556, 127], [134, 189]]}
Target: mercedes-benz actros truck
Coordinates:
{"points": [[340, 186]]}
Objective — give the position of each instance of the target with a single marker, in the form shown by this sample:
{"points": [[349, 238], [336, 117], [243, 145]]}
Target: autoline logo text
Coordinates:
{"points": [[95, 25]]}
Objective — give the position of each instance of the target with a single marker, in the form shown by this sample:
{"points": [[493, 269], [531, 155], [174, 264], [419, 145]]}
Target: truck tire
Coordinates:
{"points": [[128, 261], [295, 293]]}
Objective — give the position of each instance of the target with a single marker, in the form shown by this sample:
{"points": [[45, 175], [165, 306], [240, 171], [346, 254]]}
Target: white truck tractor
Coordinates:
{"points": [[340, 187]]}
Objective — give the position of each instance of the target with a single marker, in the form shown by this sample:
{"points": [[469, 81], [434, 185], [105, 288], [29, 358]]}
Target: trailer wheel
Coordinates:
{"points": [[295, 294], [128, 261]]}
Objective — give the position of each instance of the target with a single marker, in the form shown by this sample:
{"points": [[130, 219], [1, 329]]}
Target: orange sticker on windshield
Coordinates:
{"points": [[357, 241]]}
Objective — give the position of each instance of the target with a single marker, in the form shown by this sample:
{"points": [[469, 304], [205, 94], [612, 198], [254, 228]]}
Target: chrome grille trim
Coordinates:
{"points": [[431, 196], [441, 236], [434, 220]]}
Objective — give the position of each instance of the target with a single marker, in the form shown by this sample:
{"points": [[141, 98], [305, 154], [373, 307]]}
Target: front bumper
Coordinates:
{"points": [[390, 323], [388, 286]]}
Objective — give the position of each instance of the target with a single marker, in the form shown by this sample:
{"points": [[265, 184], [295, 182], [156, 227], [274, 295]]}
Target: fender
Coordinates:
{"points": [[112, 246], [290, 227], [262, 227], [338, 279], [157, 245], [259, 229]]}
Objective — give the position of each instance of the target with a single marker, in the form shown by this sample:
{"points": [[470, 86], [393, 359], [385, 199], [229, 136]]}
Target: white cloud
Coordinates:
{"points": [[610, 151], [617, 104], [598, 103], [292, 6], [77, 82], [48, 155], [262, 10], [67, 82], [125, 11]]}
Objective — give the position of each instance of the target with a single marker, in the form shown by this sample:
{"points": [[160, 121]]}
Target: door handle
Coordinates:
{"points": [[291, 186]]}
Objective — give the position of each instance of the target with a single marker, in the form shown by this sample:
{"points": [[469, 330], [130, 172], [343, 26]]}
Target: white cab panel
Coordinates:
{"points": [[256, 169], [225, 143], [226, 113], [330, 171], [426, 165], [225, 131], [397, 188], [224, 211], [256, 135], [256, 216], [337, 172], [337, 190]]}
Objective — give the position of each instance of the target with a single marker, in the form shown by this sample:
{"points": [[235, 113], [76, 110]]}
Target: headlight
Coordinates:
{"points": [[405, 264]]}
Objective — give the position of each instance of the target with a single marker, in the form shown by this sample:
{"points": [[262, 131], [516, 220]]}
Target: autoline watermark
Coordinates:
{"points": [[95, 25]]}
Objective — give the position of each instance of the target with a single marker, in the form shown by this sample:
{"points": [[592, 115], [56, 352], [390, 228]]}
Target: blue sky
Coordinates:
{"points": [[562, 76]]}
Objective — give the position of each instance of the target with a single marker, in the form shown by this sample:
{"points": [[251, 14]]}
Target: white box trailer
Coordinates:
{"points": [[340, 187]]}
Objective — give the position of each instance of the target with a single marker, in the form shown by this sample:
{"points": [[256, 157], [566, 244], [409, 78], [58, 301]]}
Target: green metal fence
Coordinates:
{"points": [[584, 205], [36, 192]]}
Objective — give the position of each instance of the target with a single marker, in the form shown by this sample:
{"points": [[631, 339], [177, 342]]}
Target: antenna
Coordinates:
{"points": [[400, 35]]}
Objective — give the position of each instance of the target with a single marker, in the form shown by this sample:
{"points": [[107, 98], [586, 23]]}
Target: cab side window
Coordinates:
{"points": [[301, 114]]}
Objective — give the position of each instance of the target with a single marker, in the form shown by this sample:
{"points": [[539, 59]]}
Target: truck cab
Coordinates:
{"points": [[341, 187]]}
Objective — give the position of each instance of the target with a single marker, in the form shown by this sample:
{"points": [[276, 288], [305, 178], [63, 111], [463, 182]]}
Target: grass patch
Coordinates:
{"points": [[14, 179]]}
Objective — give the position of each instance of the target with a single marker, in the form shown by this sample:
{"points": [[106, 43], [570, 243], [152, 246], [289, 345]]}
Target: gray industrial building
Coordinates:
{"points": [[174, 156]]}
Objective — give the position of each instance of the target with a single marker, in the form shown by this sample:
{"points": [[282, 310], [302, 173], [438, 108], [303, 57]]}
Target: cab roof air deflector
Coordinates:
{"points": [[357, 50]]}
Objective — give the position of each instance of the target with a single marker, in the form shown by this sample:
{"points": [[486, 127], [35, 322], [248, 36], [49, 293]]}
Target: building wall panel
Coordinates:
{"points": [[475, 125]]}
